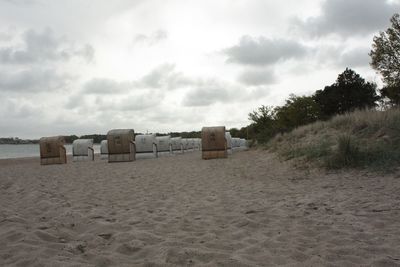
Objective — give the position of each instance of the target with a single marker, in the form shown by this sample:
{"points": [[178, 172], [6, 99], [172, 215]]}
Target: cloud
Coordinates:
{"points": [[106, 86], [161, 77], [18, 108], [357, 57], [43, 46], [87, 52], [207, 92], [33, 80], [5, 36], [139, 102], [342, 56], [152, 39], [257, 77], [262, 51], [108, 94], [21, 2], [355, 17], [164, 76]]}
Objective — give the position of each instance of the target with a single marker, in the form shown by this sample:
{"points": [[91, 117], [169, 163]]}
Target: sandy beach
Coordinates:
{"points": [[247, 210]]}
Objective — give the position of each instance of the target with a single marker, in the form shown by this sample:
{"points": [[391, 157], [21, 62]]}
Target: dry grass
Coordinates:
{"points": [[366, 138]]}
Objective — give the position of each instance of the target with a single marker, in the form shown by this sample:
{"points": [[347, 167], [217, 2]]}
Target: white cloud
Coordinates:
{"points": [[152, 39]]}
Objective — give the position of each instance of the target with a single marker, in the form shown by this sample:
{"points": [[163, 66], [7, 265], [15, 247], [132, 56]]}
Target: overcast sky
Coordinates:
{"points": [[81, 67]]}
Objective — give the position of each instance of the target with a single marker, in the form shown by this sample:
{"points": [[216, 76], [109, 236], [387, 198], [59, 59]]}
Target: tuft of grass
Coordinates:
{"points": [[346, 154]]}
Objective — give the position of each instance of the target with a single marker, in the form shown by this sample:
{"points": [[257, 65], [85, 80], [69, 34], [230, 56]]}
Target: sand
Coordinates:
{"points": [[247, 210]]}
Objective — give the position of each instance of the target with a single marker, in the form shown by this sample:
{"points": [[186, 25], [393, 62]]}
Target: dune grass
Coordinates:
{"points": [[361, 139]]}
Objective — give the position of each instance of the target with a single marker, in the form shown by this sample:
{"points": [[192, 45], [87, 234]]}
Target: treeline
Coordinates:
{"points": [[97, 138], [16, 141], [350, 92]]}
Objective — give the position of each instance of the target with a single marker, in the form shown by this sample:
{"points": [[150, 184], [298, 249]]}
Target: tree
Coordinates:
{"points": [[70, 138], [385, 55], [263, 115], [391, 95], [263, 122], [348, 93], [298, 110]]}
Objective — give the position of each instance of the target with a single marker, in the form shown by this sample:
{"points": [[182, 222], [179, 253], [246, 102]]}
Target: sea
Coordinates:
{"points": [[31, 150]]}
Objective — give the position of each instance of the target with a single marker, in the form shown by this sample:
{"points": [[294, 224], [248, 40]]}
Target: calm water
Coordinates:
{"points": [[22, 151]]}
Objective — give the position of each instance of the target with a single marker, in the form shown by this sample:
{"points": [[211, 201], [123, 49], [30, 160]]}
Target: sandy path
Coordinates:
{"points": [[247, 210]]}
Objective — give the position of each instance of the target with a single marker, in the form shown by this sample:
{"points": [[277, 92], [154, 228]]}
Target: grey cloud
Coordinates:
{"points": [[34, 80], [164, 76], [355, 58], [152, 39], [21, 2], [207, 93], [257, 77], [140, 102], [340, 56], [158, 77], [42, 47], [257, 93], [355, 17], [87, 52], [130, 101], [262, 51], [106, 86], [18, 108], [5, 36], [171, 115], [75, 101]]}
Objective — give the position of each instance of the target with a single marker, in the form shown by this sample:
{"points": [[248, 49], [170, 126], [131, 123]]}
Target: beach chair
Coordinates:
{"points": [[52, 150], [121, 145], [103, 149], [228, 141], [146, 144], [82, 150], [213, 142], [164, 144], [176, 144], [185, 144], [197, 143]]}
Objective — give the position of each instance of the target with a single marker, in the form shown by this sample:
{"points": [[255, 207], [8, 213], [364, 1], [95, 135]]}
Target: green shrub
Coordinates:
{"points": [[347, 153]]}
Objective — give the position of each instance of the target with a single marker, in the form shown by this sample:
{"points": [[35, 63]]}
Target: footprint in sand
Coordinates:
{"points": [[46, 236], [127, 249]]}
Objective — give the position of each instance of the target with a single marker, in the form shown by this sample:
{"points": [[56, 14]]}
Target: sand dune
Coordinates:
{"points": [[247, 210]]}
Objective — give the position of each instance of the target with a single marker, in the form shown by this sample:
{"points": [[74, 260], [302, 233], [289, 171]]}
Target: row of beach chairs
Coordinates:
{"points": [[153, 145], [122, 145]]}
